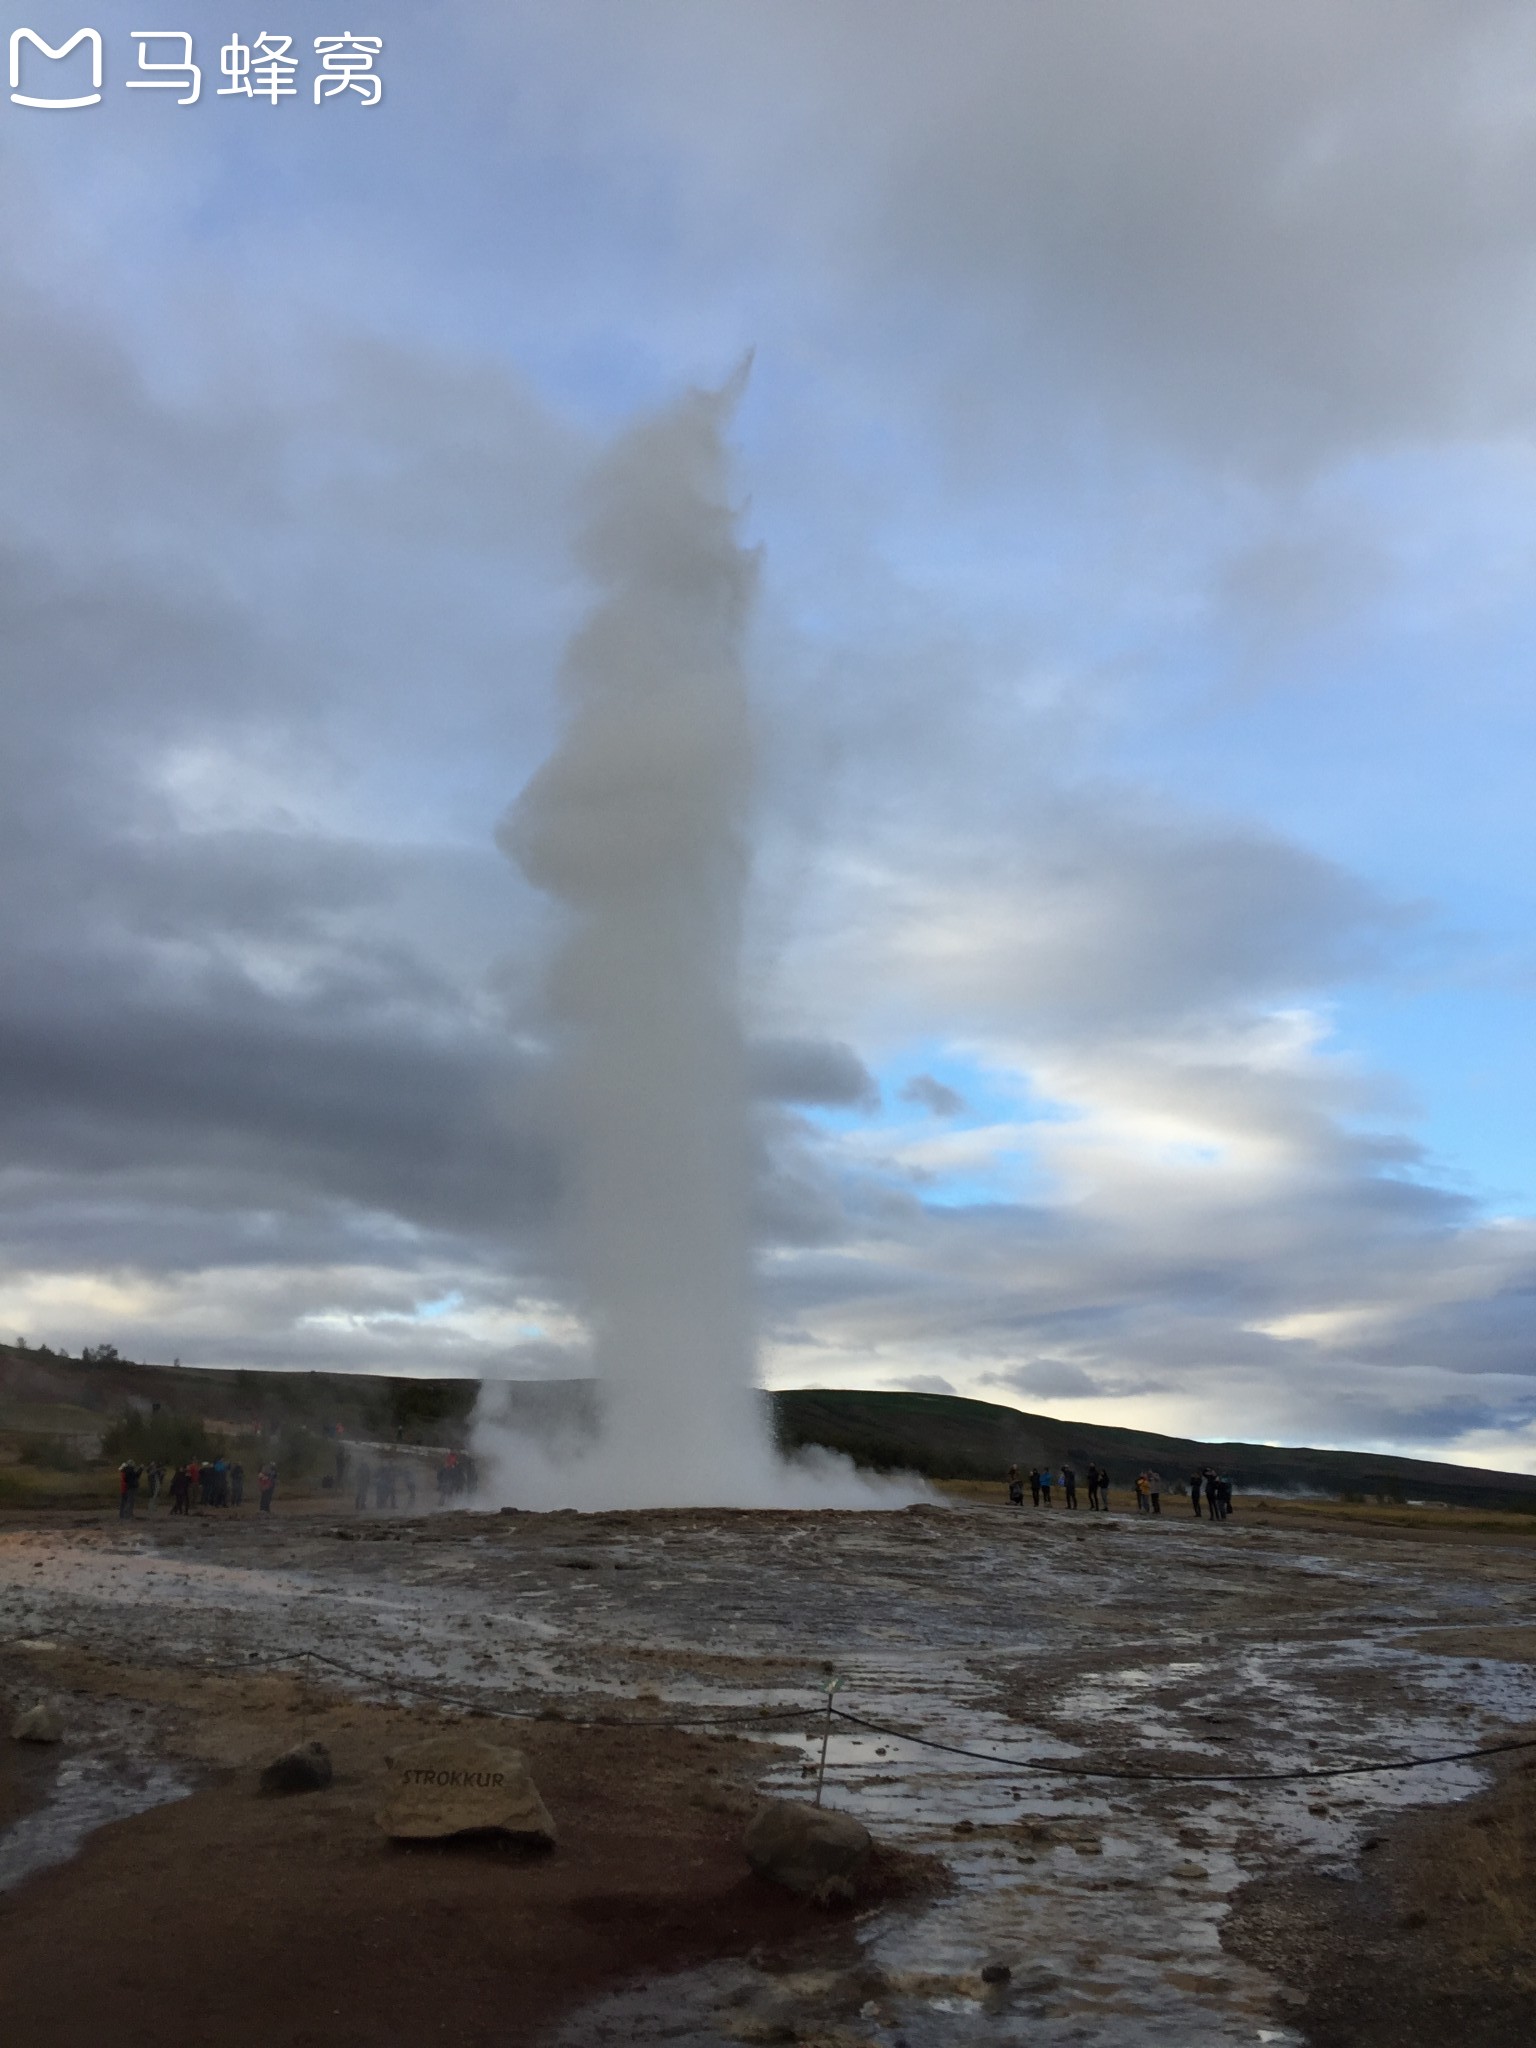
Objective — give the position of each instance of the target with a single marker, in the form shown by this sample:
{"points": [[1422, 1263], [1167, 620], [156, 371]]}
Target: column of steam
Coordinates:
{"points": [[636, 824]]}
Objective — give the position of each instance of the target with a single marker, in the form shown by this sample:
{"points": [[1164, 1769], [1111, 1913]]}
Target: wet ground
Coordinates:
{"points": [[1111, 1642]]}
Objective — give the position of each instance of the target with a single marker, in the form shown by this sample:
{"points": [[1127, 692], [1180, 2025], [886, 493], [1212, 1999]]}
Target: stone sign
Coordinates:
{"points": [[460, 1785]]}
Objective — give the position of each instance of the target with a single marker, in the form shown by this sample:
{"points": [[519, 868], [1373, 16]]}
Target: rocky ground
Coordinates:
{"points": [[145, 1876]]}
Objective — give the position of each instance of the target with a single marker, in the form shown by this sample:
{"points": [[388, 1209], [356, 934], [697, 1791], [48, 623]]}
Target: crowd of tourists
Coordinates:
{"points": [[388, 1479], [456, 1477], [1217, 1491], [386, 1484], [1042, 1481], [210, 1482]]}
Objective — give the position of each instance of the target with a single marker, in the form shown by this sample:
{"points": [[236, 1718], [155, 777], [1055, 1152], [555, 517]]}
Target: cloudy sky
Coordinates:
{"points": [[1140, 445]]}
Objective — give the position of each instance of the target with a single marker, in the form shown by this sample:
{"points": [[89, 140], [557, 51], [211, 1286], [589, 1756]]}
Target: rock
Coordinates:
{"points": [[305, 1769], [464, 1785], [37, 1724], [809, 1849], [995, 1973]]}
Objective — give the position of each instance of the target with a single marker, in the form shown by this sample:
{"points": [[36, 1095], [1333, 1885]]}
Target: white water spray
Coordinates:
{"points": [[636, 825]]}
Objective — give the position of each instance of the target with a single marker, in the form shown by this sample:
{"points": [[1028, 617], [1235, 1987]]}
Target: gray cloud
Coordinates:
{"points": [[933, 1096], [1265, 236], [812, 1071]]}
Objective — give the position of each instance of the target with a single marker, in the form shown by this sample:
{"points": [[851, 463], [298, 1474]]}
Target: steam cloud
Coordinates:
{"points": [[636, 825]]}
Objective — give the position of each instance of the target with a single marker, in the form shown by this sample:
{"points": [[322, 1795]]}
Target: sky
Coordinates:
{"points": [[1139, 971]]}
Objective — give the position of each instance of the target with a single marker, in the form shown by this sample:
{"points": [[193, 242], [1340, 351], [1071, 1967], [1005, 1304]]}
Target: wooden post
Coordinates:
{"points": [[826, 1736]]}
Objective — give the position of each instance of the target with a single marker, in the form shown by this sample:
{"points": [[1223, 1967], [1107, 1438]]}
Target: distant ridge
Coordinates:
{"points": [[949, 1437], [943, 1436]]}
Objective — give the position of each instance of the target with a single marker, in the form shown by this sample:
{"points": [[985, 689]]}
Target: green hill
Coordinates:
{"points": [[950, 1438], [939, 1435]]}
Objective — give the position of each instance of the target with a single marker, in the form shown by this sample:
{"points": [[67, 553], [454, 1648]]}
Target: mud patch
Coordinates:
{"points": [[308, 1926], [1431, 1936]]}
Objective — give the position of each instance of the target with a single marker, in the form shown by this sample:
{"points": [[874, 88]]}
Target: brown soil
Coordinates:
{"points": [[1437, 1942], [292, 1920]]}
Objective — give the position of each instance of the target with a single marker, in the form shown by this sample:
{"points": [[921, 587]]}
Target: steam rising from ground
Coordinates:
{"points": [[636, 826]]}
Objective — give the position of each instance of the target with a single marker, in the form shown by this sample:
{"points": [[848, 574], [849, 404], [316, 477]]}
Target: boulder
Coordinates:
{"points": [[464, 1785], [37, 1724], [809, 1849], [305, 1769]]}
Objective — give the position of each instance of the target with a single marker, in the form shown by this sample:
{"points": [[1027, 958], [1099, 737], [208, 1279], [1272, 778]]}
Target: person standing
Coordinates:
{"points": [[1045, 1487], [1212, 1491], [360, 1495], [127, 1489], [1092, 1476], [1069, 1486], [1154, 1492], [1015, 1487], [266, 1484], [1103, 1488], [1194, 1493], [1034, 1485]]}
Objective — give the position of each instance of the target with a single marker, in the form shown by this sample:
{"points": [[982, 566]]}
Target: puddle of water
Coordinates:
{"points": [[87, 1793]]}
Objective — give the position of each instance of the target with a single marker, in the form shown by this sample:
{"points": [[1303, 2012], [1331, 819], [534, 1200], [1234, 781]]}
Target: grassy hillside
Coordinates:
{"points": [[950, 1438], [407, 1410], [77, 1403]]}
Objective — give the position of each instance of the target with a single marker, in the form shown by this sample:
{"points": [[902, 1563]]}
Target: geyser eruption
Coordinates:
{"points": [[636, 825]]}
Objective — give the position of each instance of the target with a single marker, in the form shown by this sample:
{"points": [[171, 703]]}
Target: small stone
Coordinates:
{"points": [[809, 1849], [306, 1768], [37, 1724], [464, 1785], [995, 1973]]}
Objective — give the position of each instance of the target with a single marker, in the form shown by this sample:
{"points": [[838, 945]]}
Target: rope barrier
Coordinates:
{"points": [[1054, 1768], [763, 1717]]}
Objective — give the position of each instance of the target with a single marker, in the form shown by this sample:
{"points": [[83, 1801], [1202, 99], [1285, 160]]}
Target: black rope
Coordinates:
{"points": [[1069, 1770], [761, 1717]]}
